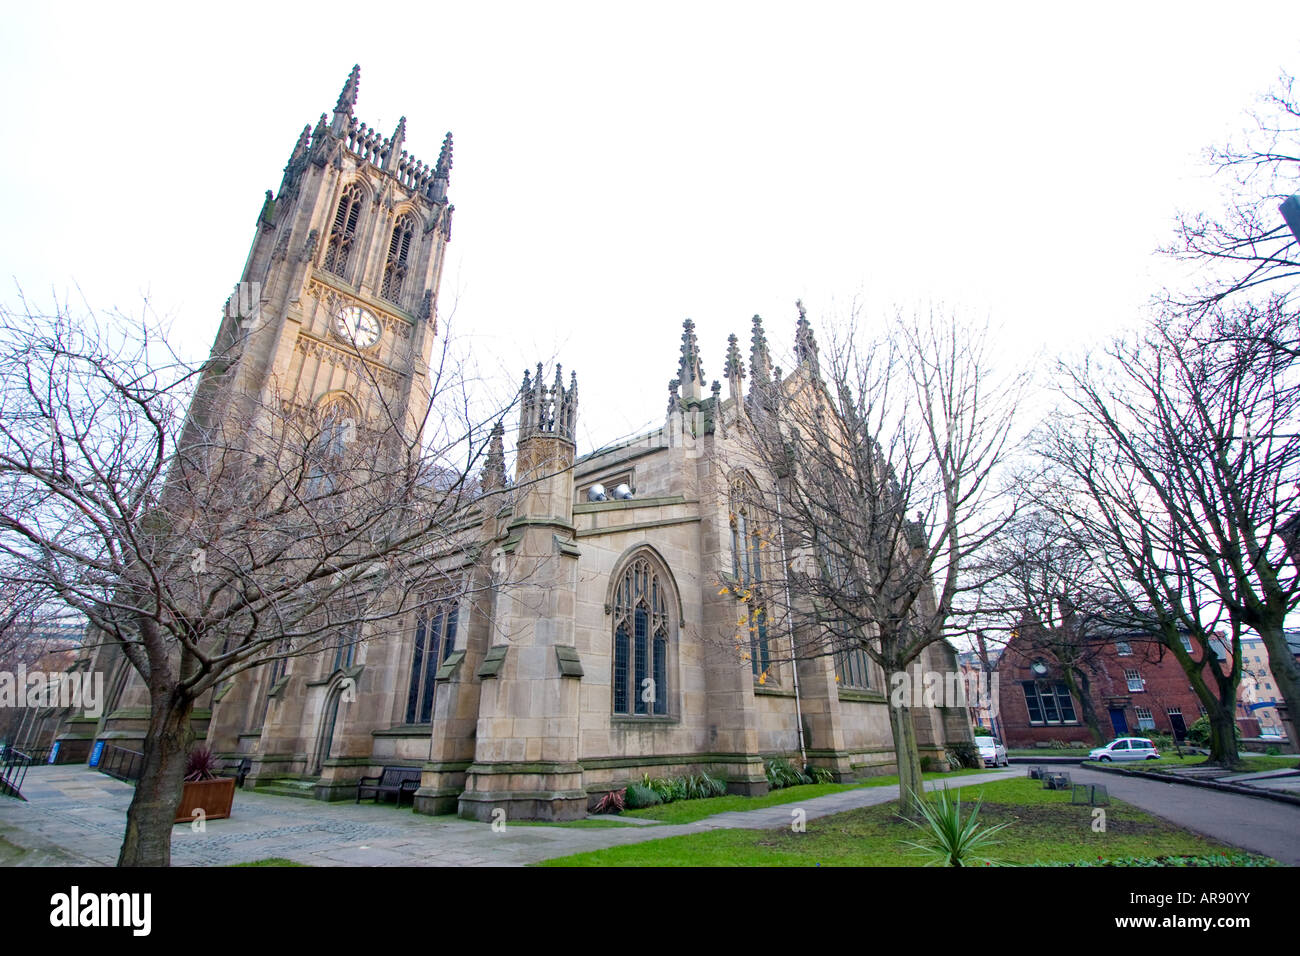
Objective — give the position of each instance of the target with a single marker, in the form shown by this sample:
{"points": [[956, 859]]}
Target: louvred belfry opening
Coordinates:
{"points": [[344, 230]]}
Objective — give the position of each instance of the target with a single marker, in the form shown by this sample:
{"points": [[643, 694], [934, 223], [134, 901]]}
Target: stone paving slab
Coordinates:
{"points": [[62, 826]]}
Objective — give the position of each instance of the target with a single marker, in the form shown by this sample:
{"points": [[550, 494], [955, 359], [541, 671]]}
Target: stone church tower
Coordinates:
{"points": [[337, 304], [334, 318]]}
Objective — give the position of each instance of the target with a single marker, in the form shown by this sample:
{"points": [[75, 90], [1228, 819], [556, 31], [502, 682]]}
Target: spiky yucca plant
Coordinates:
{"points": [[201, 764], [612, 802], [948, 839]]}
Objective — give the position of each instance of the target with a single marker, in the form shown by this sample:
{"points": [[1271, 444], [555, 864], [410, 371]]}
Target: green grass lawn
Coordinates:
{"points": [[1045, 828], [688, 811], [271, 861], [586, 823]]}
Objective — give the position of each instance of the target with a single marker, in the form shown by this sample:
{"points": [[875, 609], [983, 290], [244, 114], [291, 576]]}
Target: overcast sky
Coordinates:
{"points": [[620, 167]]}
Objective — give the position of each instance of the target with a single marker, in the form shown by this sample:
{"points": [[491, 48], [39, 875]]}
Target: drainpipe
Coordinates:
{"points": [[789, 620]]}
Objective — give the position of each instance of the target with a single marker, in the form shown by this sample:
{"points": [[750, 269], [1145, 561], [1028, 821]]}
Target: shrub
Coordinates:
{"points": [[948, 840], [612, 802], [639, 796], [668, 788], [780, 773], [201, 764], [1273, 752], [983, 732], [702, 785], [819, 774], [963, 753], [1198, 735]]}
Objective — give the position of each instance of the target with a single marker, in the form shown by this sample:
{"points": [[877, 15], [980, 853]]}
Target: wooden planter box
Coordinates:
{"points": [[213, 797]]}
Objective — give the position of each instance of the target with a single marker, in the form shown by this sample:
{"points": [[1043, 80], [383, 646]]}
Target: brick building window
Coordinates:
{"points": [[1187, 643], [1124, 648], [1135, 682], [1049, 702], [1145, 719]]}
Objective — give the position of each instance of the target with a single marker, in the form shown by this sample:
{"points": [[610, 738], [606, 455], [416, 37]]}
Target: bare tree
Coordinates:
{"points": [[1246, 254], [203, 533], [1042, 589], [886, 492], [1176, 460]]}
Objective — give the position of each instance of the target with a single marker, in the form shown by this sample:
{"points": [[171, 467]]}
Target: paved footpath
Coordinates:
{"points": [[75, 817], [1252, 823]]}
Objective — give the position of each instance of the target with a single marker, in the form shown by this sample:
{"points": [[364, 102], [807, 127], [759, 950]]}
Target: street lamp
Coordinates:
{"points": [[1290, 210]]}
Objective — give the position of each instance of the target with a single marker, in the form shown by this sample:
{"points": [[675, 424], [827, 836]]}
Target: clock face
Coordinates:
{"points": [[357, 326]]}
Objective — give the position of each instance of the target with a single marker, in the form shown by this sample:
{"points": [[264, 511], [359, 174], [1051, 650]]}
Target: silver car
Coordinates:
{"points": [[993, 752], [1126, 748]]}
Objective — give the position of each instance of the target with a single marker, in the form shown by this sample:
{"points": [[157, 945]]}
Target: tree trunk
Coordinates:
{"points": [[1080, 687], [1223, 737], [910, 784], [149, 820]]}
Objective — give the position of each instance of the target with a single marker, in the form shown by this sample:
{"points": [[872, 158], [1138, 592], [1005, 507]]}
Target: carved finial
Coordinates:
{"points": [[760, 360], [674, 400], [494, 468], [267, 216], [805, 344], [395, 145], [348, 98], [299, 154], [320, 154], [689, 371], [735, 369], [443, 169], [309, 247], [426, 305], [549, 411]]}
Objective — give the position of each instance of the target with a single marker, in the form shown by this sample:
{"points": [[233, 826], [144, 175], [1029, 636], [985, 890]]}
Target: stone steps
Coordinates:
{"points": [[304, 789]]}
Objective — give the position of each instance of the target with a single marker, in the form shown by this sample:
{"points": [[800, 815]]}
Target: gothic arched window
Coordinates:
{"points": [[344, 230], [337, 419], [399, 249], [747, 544], [435, 639], [641, 640]]}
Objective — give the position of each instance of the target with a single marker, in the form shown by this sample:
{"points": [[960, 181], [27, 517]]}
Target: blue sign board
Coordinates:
{"points": [[96, 753], [54, 752]]}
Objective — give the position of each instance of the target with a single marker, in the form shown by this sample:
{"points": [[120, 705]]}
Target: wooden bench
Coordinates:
{"points": [[394, 780]]}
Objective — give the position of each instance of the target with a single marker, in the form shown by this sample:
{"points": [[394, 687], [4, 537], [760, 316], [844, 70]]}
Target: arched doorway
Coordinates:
{"points": [[325, 736]]}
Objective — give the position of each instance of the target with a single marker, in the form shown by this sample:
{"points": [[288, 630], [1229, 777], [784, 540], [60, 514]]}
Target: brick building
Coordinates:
{"points": [[1134, 686]]}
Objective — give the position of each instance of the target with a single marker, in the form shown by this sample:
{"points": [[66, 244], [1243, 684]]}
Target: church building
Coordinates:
{"points": [[598, 632]]}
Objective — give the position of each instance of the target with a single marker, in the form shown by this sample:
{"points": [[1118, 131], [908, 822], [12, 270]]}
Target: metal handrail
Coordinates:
{"points": [[121, 763], [13, 771]]}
